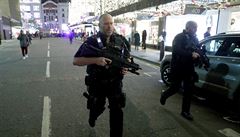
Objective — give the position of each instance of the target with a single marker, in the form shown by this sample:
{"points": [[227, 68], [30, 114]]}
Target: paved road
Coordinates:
{"points": [[42, 97]]}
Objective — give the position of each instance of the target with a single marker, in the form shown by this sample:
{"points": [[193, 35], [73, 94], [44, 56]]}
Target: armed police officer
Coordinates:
{"points": [[103, 80], [182, 67]]}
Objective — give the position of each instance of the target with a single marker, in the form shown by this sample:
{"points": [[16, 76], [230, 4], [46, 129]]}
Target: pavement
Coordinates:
{"points": [[149, 55]]}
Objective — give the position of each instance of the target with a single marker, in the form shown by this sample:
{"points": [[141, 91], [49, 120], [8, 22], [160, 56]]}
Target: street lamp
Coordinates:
{"points": [[56, 25]]}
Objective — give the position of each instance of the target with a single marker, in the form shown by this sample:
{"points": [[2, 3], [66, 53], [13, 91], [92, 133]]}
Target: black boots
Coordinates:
{"points": [[91, 122], [163, 99], [187, 115]]}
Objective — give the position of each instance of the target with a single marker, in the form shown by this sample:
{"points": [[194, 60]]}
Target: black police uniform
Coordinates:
{"points": [[105, 82], [182, 70]]}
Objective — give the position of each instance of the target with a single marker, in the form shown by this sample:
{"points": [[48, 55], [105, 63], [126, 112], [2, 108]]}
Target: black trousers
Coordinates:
{"points": [[24, 51], [178, 80], [113, 92]]}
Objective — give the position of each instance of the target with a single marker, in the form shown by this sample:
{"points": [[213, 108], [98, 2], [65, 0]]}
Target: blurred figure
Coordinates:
{"points": [[40, 34], [71, 36], [23, 44], [144, 37], [36, 34], [136, 40], [29, 38], [164, 34], [207, 33]]}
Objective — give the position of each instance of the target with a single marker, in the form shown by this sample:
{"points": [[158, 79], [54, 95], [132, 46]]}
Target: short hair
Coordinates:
{"points": [[190, 24], [102, 16], [208, 28]]}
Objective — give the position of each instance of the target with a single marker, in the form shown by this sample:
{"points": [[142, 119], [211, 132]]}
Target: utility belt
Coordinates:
{"points": [[120, 99], [89, 80]]}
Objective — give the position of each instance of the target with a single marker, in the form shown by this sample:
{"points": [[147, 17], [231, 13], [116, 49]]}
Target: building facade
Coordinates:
{"points": [[9, 17], [83, 10], [31, 15], [54, 16]]}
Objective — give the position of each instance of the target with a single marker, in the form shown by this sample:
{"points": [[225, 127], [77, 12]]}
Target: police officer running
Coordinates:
{"points": [[104, 81], [182, 67]]}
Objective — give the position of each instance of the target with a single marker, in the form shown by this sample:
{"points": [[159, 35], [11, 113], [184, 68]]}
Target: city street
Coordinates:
{"points": [[41, 96]]}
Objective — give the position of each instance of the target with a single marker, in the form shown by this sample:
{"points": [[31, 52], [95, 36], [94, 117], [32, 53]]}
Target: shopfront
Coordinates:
{"points": [[151, 26], [229, 20]]}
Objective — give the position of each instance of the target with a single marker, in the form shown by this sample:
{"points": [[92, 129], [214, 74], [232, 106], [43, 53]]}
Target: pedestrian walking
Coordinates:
{"points": [[23, 44], [71, 36], [104, 81], [136, 40], [182, 67], [144, 37]]}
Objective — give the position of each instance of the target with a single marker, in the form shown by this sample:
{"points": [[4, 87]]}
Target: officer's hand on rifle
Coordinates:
{"points": [[102, 61], [195, 55], [124, 71]]}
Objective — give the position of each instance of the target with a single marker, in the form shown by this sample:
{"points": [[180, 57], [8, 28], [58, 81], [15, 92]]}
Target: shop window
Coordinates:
{"points": [[35, 8], [36, 15], [36, 1]]}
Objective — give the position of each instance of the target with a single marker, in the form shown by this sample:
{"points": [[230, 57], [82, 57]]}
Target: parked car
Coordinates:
{"points": [[223, 75]]}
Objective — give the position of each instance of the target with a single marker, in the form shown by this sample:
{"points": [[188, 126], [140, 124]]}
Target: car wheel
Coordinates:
{"points": [[165, 74]]}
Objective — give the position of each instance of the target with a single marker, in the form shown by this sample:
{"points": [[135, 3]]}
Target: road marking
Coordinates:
{"points": [[48, 53], [153, 66], [46, 117], [147, 74], [48, 69], [48, 45], [229, 132]]}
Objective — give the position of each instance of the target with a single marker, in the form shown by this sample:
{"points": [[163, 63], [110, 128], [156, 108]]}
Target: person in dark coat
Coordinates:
{"points": [[207, 33], [182, 67], [136, 40], [144, 37], [104, 81], [23, 44], [29, 37], [71, 36]]}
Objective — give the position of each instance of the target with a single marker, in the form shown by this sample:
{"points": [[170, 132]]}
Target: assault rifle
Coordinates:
{"points": [[118, 60], [203, 60]]}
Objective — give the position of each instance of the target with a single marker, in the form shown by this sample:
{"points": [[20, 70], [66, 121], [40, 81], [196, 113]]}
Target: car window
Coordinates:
{"points": [[234, 50], [223, 49], [212, 46], [230, 47]]}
